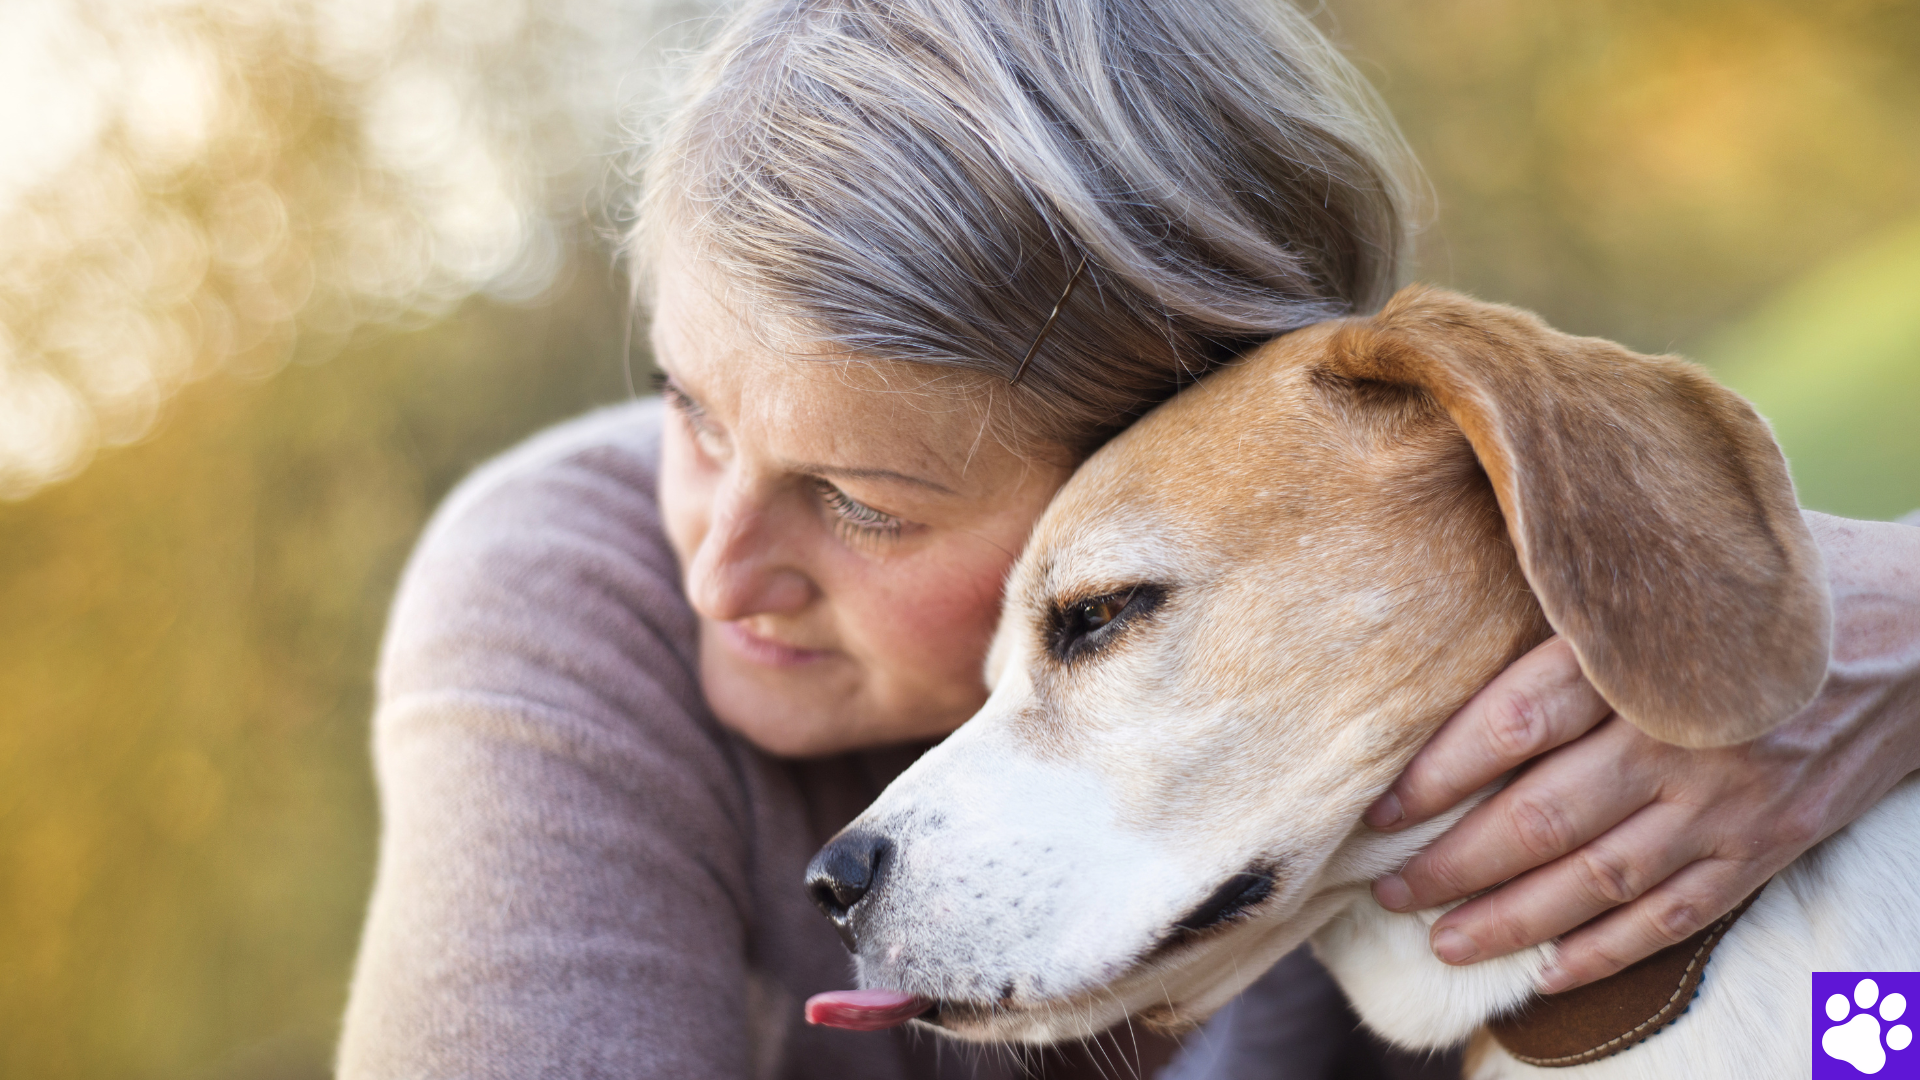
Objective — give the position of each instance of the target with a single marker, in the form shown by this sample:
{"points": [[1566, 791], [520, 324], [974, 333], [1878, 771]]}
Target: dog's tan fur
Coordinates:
{"points": [[1648, 508], [1446, 464], [1352, 530], [1212, 489]]}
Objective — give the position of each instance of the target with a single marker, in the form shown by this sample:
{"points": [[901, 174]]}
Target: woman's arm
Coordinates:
{"points": [[1637, 843], [563, 868]]}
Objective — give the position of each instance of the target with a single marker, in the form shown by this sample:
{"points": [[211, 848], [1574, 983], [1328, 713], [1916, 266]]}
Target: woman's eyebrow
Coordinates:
{"points": [[840, 472], [830, 472]]}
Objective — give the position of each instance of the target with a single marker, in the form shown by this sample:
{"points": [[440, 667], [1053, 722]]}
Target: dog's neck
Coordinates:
{"points": [[1384, 964]]}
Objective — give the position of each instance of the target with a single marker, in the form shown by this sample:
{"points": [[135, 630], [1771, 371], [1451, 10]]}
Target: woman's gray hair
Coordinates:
{"points": [[918, 180]]}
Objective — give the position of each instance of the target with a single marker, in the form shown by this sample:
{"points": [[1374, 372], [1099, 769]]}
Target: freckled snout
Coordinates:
{"points": [[845, 872]]}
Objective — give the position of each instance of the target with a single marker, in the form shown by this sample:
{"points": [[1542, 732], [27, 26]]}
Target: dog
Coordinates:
{"points": [[1239, 620]]}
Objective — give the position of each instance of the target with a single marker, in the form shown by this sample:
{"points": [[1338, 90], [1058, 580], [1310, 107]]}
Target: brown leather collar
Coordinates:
{"points": [[1602, 1018]]}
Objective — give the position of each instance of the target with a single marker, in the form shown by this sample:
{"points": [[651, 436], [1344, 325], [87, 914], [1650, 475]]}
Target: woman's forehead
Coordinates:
{"points": [[821, 412]]}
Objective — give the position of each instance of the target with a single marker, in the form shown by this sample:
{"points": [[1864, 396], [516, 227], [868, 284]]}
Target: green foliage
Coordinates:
{"points": [[1834, 362]]}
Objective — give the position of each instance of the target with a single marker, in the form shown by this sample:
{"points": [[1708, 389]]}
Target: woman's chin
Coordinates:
{"points": [[784, 739], [826, 703], [790, 710], [807, 712]]}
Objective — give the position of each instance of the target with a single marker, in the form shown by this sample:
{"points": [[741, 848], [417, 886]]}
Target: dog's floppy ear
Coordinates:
{"points": [[1650, 508]]}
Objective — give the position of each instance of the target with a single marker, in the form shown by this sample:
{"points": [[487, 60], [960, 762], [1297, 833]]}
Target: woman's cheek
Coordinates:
{"points": [[933, 624]]}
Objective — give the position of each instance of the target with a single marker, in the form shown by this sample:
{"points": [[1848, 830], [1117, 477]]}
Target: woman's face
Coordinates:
{"points": [[844, 529]]}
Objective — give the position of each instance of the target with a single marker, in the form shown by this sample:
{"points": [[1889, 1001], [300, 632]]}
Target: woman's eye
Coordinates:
{"points": [[857, 515], [694, 414], [675, 397]]}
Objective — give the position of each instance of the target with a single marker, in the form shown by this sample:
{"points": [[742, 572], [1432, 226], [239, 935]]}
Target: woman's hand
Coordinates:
{"points": [[1626, 845]]}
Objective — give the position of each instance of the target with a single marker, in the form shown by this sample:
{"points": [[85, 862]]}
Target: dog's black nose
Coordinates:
{"points": [[844, 873]]}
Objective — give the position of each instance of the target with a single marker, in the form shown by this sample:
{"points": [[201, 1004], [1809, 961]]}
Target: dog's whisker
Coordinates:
{"points": [[1100, 1041], [1134, 1065]]}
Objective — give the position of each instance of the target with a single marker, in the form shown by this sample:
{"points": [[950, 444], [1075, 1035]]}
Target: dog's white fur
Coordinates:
{"points": [[1335, 576]]}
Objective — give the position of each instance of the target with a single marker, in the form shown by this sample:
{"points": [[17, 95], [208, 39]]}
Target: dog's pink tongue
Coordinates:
{"points": [[864, 1010]]}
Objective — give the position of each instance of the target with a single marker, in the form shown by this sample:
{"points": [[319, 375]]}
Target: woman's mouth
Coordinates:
{"points": [[765, 651]]}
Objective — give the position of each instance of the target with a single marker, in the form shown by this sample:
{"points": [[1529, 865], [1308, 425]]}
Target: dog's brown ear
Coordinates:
{"points": [[1650, 507]]}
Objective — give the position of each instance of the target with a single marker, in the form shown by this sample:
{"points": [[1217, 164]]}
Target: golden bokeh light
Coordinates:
{"points": [[199, 187]]}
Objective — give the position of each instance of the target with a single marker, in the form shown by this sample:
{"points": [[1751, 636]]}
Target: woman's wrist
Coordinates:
{"points": [[1873, 675]]}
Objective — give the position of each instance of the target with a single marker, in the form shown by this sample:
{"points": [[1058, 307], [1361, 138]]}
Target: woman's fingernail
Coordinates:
{"points": [[1391, 892], [1553, 979], [1453, 946], [1385, 811]]}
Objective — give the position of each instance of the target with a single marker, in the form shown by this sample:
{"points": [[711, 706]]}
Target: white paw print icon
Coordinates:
{"points": [[1857, 1042]]}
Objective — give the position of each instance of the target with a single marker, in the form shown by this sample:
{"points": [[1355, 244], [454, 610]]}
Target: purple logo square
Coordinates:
{"points": [[1863, 1024]]}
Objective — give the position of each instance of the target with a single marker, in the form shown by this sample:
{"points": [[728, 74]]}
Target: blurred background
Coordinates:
{"points": [[274, 275]]}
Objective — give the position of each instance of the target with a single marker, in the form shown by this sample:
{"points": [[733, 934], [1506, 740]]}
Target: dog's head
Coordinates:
{"points": [[1239, 620]]}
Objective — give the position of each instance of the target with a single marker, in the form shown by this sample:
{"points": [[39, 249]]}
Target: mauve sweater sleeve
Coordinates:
{"points": [[563, 884]]}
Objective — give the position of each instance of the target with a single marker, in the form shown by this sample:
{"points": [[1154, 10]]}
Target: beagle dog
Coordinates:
{"points": [[1237, 623]]}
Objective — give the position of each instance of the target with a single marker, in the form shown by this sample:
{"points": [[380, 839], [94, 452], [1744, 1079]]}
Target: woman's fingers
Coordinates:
{"points": [[1546, 812], [1666, 915], [1622, 867], [1591, 829], [1539, 702]]}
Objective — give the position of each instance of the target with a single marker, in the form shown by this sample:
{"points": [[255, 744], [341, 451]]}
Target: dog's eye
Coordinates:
{"points": [[1082, 626], [1090, 615]]}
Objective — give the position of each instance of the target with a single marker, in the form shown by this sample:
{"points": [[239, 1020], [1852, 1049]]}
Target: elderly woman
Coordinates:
{"points": [[908, 262]]}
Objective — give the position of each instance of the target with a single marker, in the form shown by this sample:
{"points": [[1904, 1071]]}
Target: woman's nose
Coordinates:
{"points": [[743, 565]]}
